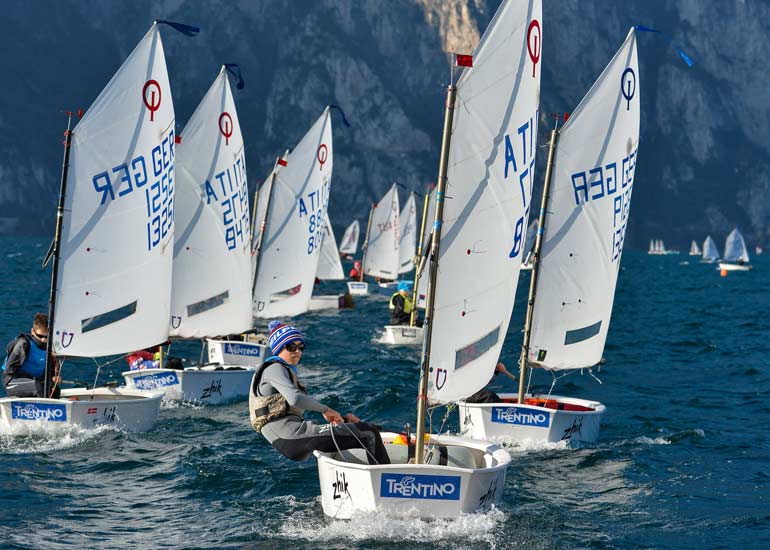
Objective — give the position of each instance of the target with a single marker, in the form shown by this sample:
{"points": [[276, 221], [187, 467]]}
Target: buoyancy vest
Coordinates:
{"points": [[34, 365], [408, 305], [266, 408]]}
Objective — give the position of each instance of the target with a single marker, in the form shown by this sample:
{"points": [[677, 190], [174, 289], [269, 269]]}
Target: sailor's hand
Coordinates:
{"points": [[57, 380], [350, 417], [333, 417], [501, 368]]}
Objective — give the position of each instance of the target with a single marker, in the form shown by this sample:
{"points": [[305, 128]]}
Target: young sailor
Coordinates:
{"points": [[277, 402], [401, 305], [24, 366]]}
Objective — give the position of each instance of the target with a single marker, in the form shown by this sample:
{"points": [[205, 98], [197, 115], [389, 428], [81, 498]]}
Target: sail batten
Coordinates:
{"points": [[588, 210], [489, 185], [114, 277]]}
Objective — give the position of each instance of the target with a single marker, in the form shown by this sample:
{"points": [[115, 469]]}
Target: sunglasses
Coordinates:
{"points": [[40, 336], [292, 347]]}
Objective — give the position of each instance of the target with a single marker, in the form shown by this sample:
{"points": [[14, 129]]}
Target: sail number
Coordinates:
{"points": [[520, 160], [601, 182], [230, 190], [158, 188], [312, 205]]}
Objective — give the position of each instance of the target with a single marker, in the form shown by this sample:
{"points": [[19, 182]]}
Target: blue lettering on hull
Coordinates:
{"points": [[241, 349], [154, 381], [48, 412], [520, 416], [420, 486]]}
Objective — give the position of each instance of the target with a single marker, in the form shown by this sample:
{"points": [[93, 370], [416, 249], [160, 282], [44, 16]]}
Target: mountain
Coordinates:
{"points": [[703, 166]]}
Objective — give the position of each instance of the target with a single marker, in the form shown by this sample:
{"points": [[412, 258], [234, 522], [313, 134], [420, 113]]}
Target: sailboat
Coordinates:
{"points": [[349, 243], [710, 251], [736, 256], [297, 200], [211, 287], [576, 260], [482, 202], [694, 249], [381, 256], [411, 334], [407, 241], [329, 269], [112, 251]]}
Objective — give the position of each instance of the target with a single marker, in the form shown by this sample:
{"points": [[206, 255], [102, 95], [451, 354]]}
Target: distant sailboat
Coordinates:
{"points": [[289, 248], [694, 249], [736, 256], [577, 254], [329, 269], [349, 243], [710, 251]]}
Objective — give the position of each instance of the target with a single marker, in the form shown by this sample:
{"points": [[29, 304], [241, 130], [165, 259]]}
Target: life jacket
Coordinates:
{"points": [[34, 365], [266, 408], [408, 305]]}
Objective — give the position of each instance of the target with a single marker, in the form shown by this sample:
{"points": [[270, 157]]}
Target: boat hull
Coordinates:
{"points": [[358, 288], [121, 408], [208, 385], [577, 420], [472, 480], [402, 335], [338, 301], [231, 352], [724, 266]]}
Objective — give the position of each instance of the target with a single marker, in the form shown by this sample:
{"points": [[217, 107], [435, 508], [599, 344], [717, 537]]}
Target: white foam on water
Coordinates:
{"points": [[374, 526], [44, 438], [13, 255], [530, 445]]}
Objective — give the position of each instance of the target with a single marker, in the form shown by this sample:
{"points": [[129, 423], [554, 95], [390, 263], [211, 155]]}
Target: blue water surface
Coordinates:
{"points": [[683, 459]]}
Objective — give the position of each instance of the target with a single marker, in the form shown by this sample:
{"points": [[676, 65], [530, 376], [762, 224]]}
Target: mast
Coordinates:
{"points": [[258, 249], [254, 218], [416, 260], [366, 243], [49, 360], [536, 264], [422, 394]]}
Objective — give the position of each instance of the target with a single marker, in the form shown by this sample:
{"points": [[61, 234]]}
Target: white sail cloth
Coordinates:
{"points": [[293, 233], [382, 257], [710, 250], [407, 242], [735, 248], [422, 282], [349, 243], [589, 204], [329, 264], [694, 249], [490, 176], [211, 288], [114, 280]]}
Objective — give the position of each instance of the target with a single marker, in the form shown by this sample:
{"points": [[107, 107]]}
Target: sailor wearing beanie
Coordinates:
{"points": [[278, 401]]}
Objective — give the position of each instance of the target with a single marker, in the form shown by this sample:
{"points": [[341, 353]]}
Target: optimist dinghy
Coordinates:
{"points": [[474, 265], [575, 260], [329, 269], [710, 251], [114, 227], [211, 288], [736, 256]]}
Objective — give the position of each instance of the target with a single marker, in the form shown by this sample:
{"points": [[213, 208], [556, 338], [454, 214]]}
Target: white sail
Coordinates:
{"points": [[292, 240], [694, 249], [589, 204], [211, 288], [422, 283], [329, 264], [407, 243], [735, 248], [382, 257], [710, 250], [490, 176], [114, 282], [349, 243]]}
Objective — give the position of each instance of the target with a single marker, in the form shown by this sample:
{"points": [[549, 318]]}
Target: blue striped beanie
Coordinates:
{"points": [[280, 335]]}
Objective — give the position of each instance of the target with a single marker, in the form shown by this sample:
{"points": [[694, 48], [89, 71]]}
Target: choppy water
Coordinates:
{"points": [[683, 459]]}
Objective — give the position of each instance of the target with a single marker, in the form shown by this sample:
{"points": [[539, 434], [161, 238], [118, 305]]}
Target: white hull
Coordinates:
{"points": [[388, 285], [121, 408], [472, 480], [723, 266], [208, 385], [402, 335], [320, 303], [579, 420], [358, 288], [232, 352]]}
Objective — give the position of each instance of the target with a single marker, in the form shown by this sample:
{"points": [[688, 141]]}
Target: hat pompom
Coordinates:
{"points": [[272, 325]]}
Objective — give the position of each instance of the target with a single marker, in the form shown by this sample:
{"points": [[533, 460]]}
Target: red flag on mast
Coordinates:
{"points": [[462, 60]]}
